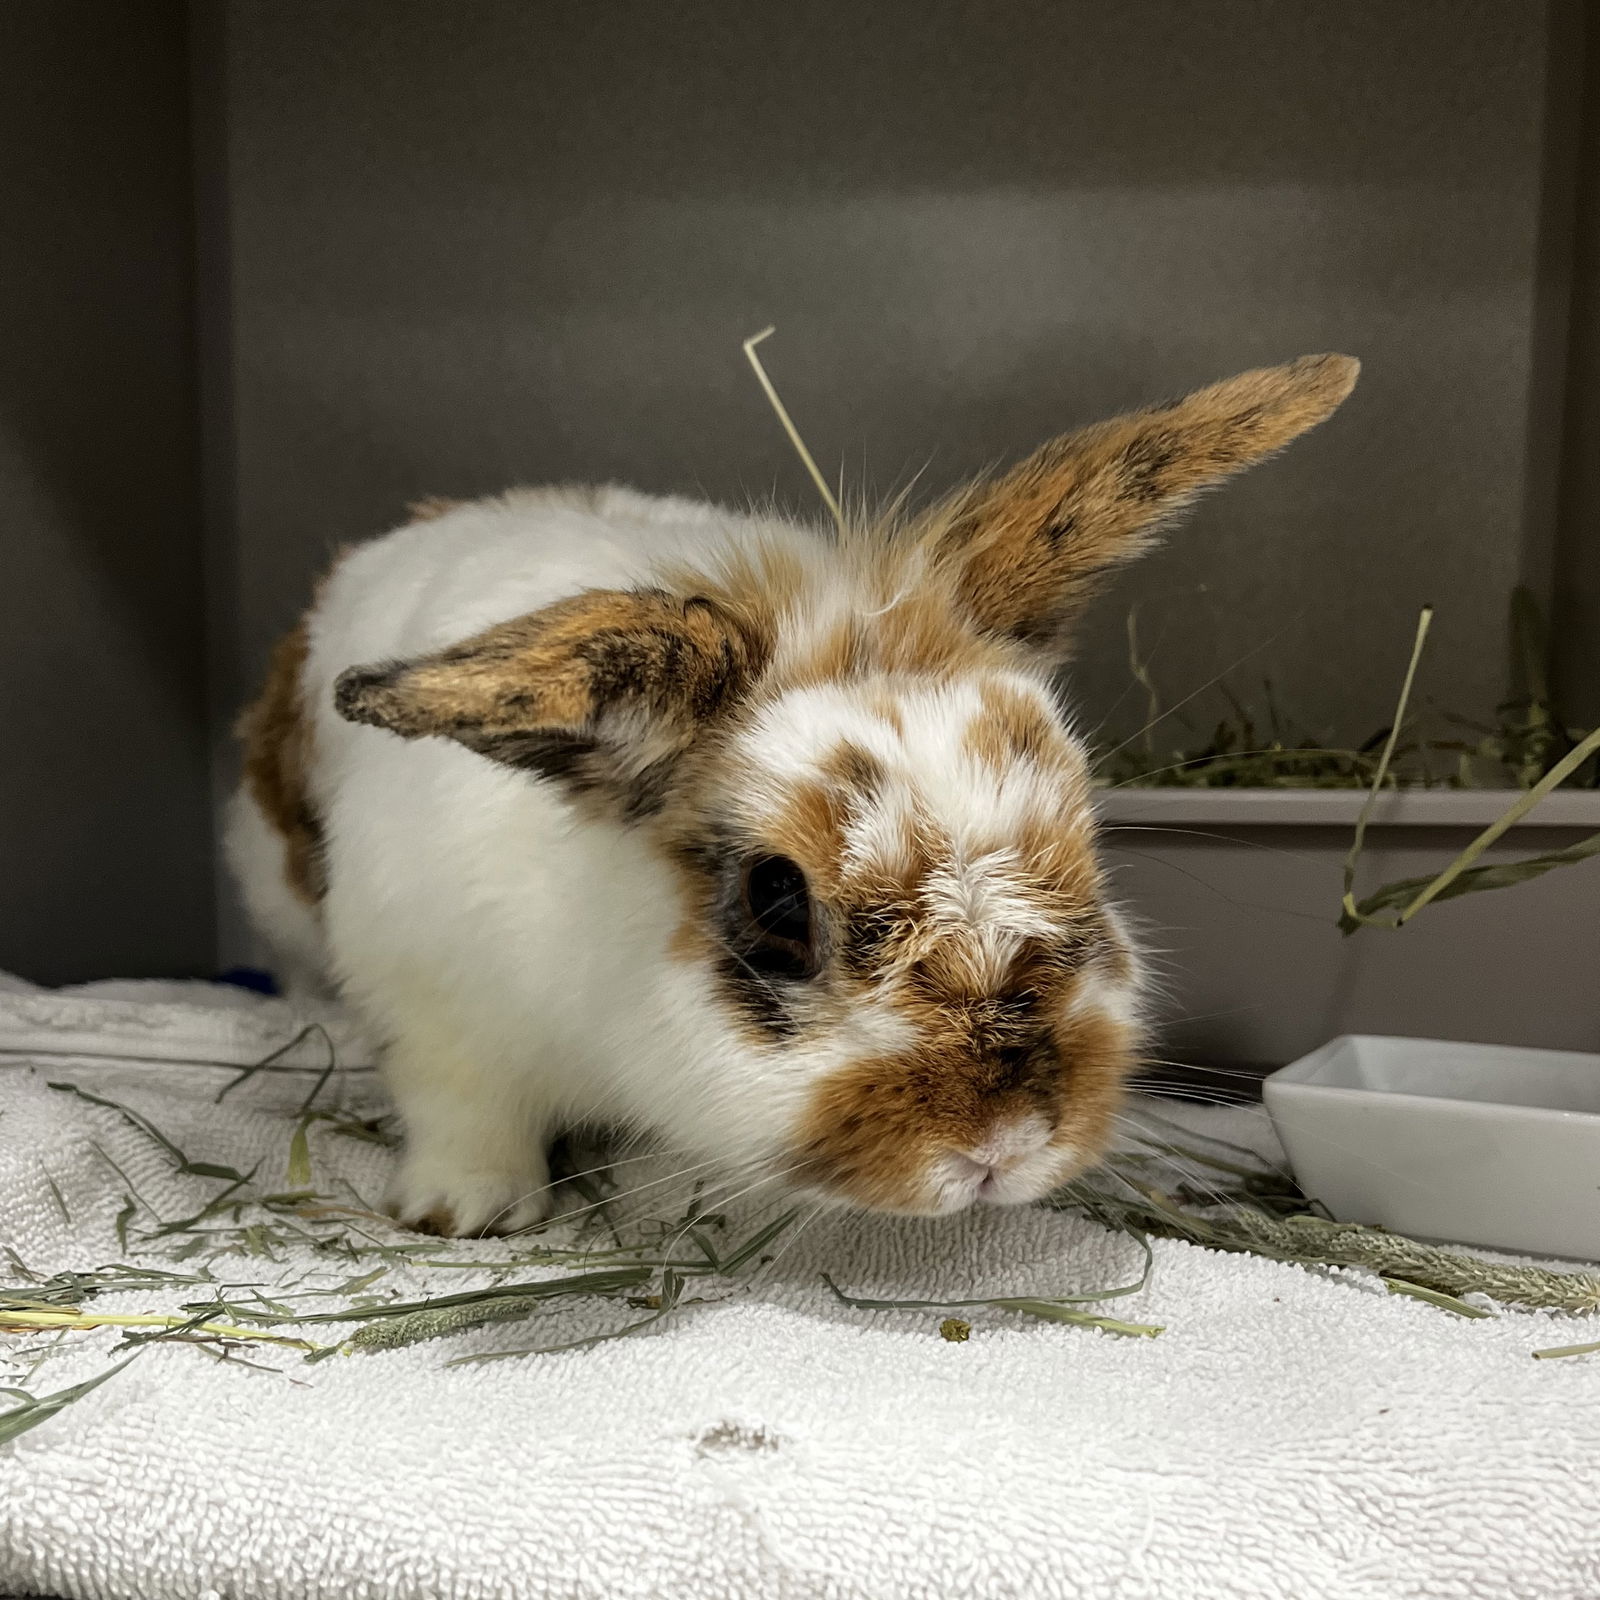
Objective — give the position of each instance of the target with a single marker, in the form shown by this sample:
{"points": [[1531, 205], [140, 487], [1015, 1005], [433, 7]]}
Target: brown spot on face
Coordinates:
{"points": [[855, 769], [1013, 726], [276, 732], [812, 827], [886, 708]]}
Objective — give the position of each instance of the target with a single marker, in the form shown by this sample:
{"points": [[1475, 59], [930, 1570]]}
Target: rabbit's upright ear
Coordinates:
{"points": [[602, 691], [1026, 549]]}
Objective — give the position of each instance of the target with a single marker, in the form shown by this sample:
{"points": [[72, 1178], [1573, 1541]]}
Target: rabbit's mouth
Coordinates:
{"points": [[1020, 1161], [937, 1129], [1022, 1157]]}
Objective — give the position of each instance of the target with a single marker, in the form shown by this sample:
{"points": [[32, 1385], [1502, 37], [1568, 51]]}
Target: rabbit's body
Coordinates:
{"points": [[514, 957], [771, 844]]}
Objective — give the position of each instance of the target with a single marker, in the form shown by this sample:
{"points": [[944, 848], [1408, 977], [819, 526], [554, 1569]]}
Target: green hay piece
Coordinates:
{"points": [[1352, 912], [298, 1172], [1050, 1311], [31, 1413], [1050, 1308], [1411, 895], [23, 1320], [393, 1334], [126, 1215], [268, 1062], [198, 1169], [1560, 1352], [730, 1265], [1523, 744], [71, 1288], [1445, 1302], [390, 1327], [1308, 1240], [663, 1304], [539, 1289], [213, 1207], [955, 1331]]}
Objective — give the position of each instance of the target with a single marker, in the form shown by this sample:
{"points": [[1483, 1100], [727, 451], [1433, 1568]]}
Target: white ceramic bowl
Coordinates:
{"points": [[1473, 1143]]}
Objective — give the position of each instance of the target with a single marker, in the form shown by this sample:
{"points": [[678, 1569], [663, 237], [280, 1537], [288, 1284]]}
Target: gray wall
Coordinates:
{"points": [[476, 244], [105, 834], [1576, 613], [446, 247]]}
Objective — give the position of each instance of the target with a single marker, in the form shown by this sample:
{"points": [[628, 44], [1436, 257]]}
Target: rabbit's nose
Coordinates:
{"points": [[1011, 1063]]}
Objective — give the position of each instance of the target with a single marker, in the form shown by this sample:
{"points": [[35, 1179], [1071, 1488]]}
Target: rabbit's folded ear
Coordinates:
{"points": [[602, 691], [1026, 549]]}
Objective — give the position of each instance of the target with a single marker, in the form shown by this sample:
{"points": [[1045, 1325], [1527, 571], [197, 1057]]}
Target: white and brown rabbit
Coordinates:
{"points": [[770, 842]]}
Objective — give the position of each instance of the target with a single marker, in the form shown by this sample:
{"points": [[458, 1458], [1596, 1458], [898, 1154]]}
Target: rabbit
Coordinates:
{"points": [[773, 843]]}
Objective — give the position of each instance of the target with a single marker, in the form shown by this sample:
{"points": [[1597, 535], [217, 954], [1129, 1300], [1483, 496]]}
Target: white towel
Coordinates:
{"points": [[1290, 1434]]}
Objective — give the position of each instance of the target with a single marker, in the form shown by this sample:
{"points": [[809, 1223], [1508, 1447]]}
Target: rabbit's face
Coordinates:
{"points": [[889, 930], [892, 896]]}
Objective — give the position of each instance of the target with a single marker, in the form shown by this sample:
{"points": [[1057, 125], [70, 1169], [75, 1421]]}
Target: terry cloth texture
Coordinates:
{"points": [[1291, 1434]]}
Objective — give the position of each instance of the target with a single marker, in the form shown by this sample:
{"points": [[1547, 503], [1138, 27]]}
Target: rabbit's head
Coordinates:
{"points": [[877, 822]]}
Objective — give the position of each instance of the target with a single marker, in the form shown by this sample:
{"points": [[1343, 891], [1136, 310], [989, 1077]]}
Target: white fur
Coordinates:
{"points": [[932, 773], [515, 956], [258, 860]]}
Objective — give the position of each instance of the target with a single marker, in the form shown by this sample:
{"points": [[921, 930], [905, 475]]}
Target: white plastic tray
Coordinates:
{"points": [[1474, 1143]]}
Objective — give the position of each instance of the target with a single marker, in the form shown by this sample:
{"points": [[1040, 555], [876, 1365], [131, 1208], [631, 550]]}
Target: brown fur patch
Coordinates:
{"points": [[886, 708], [431, 507], [855, 769], [276, 731], [1029, 547], [921, 633], [812, 830], [1012, 726]]}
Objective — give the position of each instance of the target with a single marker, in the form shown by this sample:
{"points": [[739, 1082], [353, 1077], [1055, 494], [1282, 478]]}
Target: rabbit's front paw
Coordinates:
{"points": [[461, 1204]]}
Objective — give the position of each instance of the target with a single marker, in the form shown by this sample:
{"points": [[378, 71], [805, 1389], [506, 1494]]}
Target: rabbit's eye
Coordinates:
{"points": [[777, 915]]}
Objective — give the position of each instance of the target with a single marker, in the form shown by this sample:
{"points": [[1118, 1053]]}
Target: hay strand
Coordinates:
{"points": [[1461, 877], [17, 1421], [1351, 910], [782, 413], [1307, 1240]]}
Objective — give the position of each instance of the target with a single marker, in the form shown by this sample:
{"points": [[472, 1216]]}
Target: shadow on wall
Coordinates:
{"points": [[105, 838]]}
